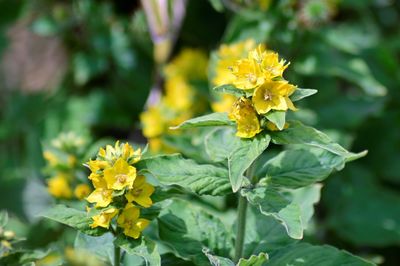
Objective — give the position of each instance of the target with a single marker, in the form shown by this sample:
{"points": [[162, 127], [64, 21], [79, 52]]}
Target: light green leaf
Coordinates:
{"points": [[217, 260], [188, 229], [254, 260], [243, 156], [3, 218], [297, 133], [220, 142], [199, 178], [299, 94], [143, 247], [277, 117], [213, 119], [230, 89], [275, 204], [74, 218], [306, 254], [299, 168], [101, 246]]}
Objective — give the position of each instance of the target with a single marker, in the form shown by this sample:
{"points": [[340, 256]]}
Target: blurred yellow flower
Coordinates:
{"points": [[224, 104], [104, 218], [131, 223], [101, 196], [152, 122], [179, 95], [227, 55], [120, 175], [141, 192], [246, 118], [59, 187], [189, 63], [273, 95], [51, 158], [81, 191]]}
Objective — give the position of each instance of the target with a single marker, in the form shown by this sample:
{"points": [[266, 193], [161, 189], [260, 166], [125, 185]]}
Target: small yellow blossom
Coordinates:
{"points": [[141, 192], [273, 95], [246, 118], [227, 56], [51, 158], [81, 191], [59, 187], [131, 223], [98, 181], [153, 122], [101, 196], [128, 152], [224, 104], [189, 63], [96, 165], [120, 176], [248, 74], [179, 95], [104, 218]]}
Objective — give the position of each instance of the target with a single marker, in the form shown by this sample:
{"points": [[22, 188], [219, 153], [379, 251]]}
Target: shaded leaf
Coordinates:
{"points": [[213, 119], [230, 89], [143, 247]]}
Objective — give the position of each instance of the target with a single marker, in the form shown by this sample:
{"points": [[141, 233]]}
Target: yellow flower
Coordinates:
{"points": [[130, 221], [81, 191], [189, 63], [58, 186], [97, 180], [271, 66], [101, 196], [119, 176], [96, 165], [51, 158], [224, 104], [104, 218], [248, 74], [152, 122], [227, 56], [179, 95], [246, 118], [141, 192], [128, 152], [273, 95]]}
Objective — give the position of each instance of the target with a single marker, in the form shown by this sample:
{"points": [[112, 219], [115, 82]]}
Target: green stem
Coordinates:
{"points": [[117, 255], [241, 228]]}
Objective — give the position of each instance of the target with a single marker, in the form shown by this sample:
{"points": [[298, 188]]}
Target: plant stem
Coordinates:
{"points": [[241, 228], [117, 255]]}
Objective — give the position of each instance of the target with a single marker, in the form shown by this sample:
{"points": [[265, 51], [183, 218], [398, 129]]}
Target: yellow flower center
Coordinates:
{"points": [[137, 192], [104, 193], [267, 96], [121, 178], [252, 78]]}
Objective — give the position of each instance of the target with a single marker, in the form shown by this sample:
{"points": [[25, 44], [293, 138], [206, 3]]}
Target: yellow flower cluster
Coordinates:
{"points": [[117, 187], [62, 158], [259, 76], [6, 238], [180, 101]]}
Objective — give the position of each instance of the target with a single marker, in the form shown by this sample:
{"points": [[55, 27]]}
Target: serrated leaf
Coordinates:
{"points": [[299, 168], [297, 133], [199, 178], [213, 119], [254, 260], [299, 94], [230, 89], [143, 247], [188, 229], [277, 117], [306, 254], [243, 156], [74, 218]]}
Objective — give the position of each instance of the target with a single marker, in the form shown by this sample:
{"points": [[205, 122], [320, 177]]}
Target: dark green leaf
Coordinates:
{"points": [[175, 170]]}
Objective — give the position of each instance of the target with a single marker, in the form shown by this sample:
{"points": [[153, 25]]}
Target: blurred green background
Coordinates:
{"points": [[87, 66]]}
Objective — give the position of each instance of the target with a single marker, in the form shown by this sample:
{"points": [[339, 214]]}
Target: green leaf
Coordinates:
{"points": [[243, 156], [297, 133], [3, 218], [299, 168], [275, 204], [218, 260], [199, 178], [74, 218], [101, 246], [264, 233], [230, 89], [277, 117], [143, 247], [306, 254], [213, 119], [299, 94], [254, 260], [188, 229], [220, 142]]}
